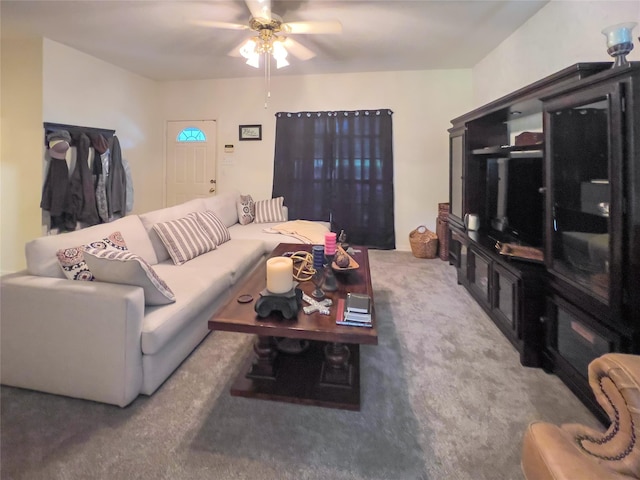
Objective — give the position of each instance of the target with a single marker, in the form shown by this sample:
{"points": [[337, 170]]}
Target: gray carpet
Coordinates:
{"points": [[444, 397]]}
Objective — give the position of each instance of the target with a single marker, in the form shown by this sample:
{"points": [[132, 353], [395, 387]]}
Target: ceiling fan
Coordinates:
{"points": [[272, 35]]}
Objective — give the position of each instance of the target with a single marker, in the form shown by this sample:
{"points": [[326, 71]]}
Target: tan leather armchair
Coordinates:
{"points": [[577, 452]]}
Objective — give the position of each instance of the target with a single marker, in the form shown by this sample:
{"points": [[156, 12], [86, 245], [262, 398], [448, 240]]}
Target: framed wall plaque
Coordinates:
{"points": [[250, 132]]}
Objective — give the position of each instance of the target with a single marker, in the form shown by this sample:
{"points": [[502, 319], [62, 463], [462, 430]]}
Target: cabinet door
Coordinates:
{"points": [[479, 276], [456, 180], [458, 254], [577, 338], [584, 132], [505, 301]]}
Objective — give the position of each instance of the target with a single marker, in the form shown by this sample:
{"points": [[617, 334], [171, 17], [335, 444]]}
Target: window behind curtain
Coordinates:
{"points": [[338, 166]]}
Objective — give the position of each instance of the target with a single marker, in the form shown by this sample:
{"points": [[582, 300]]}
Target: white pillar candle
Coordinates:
{"points": [[279, 274]]}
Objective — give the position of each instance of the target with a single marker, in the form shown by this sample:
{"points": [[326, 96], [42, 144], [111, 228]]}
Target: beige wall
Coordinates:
{"points": [[560, 34], [21, 148], [81, 90], [423, 103]]}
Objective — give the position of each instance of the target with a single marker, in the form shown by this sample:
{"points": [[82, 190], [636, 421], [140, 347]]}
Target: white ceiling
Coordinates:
{"points": [[159, 39]]}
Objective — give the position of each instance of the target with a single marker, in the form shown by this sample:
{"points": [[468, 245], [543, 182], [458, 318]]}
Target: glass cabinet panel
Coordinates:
{"points": [[479, 275], [580, 156], [505, 295], [457, 157]]}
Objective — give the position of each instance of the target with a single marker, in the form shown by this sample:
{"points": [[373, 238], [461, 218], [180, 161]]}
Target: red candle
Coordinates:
{"points": [[330, 243]]}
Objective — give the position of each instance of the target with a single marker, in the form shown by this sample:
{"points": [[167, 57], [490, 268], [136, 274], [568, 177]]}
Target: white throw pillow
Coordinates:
{"points": [[213, 226], [184, 239], [129, 269], [72, 262], [246, 209], [269, 211]]}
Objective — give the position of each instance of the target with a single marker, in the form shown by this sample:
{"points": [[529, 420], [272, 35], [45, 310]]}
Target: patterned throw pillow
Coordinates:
{"points": [[129, 269], [184, 239], [213, 226], [246, 209], [72, 259], [269, 211]]}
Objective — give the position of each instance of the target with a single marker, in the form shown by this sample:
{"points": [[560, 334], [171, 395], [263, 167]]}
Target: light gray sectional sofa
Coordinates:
{"points": [[99, 341]]}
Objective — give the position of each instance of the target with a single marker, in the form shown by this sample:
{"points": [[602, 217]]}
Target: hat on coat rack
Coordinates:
{"points": [[59, 150], [99, 143], [58, 144], [59, 135]]}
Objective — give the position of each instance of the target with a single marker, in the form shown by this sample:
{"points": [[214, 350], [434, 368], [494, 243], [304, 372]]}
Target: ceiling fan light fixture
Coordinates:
{"points": [[254, 60], [281, 62], [280, 53], [248, 49]]}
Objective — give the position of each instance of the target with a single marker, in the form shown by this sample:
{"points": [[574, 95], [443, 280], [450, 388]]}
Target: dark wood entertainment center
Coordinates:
{"points": [[566, 199]]}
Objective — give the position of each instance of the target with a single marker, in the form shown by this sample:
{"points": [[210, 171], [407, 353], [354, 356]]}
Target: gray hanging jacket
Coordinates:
{"points": [[83, 197], [117, 181], [101, 172]]}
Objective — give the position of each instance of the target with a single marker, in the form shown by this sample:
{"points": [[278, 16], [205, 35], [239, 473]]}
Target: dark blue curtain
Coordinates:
{"points": [[338, 167]]}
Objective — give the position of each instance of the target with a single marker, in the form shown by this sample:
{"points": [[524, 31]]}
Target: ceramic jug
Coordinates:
{"points": [[471, 221]]}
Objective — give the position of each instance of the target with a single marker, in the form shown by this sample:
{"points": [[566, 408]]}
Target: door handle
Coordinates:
{"points": [[211, 190], [212, 181]]}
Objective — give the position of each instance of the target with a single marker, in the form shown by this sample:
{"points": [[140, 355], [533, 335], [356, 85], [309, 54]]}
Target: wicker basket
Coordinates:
{"points": [[442, 227], [424, 243]]}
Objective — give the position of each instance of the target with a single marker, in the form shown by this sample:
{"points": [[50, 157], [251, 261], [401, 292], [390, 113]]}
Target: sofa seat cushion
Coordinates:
{"points": [[237, 258], [41, 253], [257, 231], [197, 285], [194, 292]]}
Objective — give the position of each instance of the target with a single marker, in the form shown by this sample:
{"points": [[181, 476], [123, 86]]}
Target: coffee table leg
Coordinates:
{"points": [[336, 369], [263, 366]]}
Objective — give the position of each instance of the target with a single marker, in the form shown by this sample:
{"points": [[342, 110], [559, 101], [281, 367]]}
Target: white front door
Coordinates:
{"points": [[191, 160]]}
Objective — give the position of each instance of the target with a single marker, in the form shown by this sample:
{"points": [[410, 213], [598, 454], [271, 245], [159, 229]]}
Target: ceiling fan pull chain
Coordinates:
{"points": [[267, 78]]}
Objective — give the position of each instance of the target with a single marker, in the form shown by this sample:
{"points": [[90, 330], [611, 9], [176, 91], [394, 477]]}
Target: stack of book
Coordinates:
{"points": [[354, 311]]}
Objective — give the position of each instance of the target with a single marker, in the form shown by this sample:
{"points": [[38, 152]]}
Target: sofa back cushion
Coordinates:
{"points": [[224, 207], [41, 253], [166, 215]]}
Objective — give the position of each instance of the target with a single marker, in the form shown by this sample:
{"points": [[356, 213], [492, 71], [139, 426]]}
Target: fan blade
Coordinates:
{"points": [[259, 8], [332, 26], [298, 50], [225, 25]]}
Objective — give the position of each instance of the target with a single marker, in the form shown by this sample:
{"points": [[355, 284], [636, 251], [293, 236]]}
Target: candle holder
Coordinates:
{"points": [[287, 304], [619, 42], [318, 280], [330, 281]]}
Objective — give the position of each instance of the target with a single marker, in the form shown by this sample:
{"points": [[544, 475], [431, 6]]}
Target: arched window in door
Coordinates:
{"points": [[192, 134]]}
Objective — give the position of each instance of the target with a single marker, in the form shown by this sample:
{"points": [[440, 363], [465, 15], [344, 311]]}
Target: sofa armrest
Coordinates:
{"points": [[80, 339], [615, 381]]}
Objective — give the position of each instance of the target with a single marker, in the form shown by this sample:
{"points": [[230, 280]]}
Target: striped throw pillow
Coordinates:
{"points": [[127, 268], [212, 226], [184, 239], [269, 211]]}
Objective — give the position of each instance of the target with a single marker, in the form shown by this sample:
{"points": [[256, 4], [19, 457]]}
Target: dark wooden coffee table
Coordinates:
{"points": [[327, 372]]}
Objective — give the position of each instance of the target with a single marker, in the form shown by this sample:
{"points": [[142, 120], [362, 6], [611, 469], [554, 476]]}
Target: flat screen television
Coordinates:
{"points": [[515, 206]]}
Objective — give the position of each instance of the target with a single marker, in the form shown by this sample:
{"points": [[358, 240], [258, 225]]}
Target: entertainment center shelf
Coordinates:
{"points": [[512, 151], [552, 172]]}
